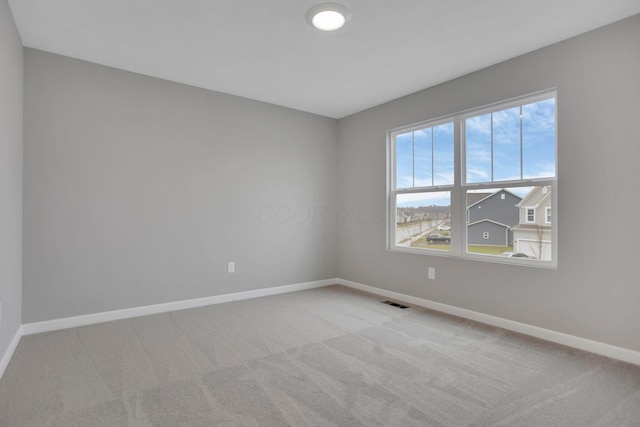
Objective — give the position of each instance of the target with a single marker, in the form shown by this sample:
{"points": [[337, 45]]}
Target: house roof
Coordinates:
{"points": [[486, 196], [531, 227], [487, 220], [473, 198], [535, 197]]}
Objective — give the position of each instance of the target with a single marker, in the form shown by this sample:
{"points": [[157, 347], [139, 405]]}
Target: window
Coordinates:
{"points": [[531, 214], [470, 185], [424, 173]]}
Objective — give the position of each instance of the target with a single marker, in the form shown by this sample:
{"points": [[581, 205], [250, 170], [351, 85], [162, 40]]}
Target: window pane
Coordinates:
{"points": [[443, 154], [423, 220], [404, 160], [539, 139], [531, 214], [506, 144], [478, 148], [422, 158], [500, 226]]}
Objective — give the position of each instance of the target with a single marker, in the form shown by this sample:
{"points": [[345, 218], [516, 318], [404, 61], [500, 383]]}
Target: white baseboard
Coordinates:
{"points": [[4, 362], [107, 316], [614, 352]]}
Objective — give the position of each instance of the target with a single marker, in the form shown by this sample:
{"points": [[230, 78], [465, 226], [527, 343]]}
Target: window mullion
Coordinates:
{"points": [[457, 202], [433, 172], [413, 159], [492, 147], [521, 148]]}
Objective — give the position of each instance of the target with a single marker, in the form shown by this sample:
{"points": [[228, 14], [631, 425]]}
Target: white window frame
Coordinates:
{"points": [[459, 212], [528, 209], [547, 215]]}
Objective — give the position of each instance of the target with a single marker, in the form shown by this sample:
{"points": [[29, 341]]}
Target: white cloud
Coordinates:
{"points": [[543, 170], [404, 181], [476, 175], [479, 124]]}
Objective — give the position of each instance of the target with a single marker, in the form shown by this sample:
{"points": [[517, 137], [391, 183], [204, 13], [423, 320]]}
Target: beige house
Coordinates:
{"points": [[532, 235]]}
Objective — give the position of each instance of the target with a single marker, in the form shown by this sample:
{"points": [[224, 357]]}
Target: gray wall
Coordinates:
{"points": [[138, 191], [595, 292], [10, 177]]}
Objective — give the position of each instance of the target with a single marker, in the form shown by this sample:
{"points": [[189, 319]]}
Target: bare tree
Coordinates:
{"points": [[537, 251]]}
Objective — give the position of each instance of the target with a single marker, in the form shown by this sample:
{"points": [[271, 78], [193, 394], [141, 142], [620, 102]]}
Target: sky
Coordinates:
{"points": [[523, 140]]}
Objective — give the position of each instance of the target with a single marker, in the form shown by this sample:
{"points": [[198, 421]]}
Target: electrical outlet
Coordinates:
{"points": [[231, 267], [432, 273]]}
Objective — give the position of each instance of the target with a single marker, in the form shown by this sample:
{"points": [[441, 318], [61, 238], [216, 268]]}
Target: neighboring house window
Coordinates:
{"points": [[441, 170], [531, 214]]}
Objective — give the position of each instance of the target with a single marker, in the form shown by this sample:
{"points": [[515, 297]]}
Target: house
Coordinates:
{"points": [[490, 218], [402, 217], [532, 235], [124, 192]]}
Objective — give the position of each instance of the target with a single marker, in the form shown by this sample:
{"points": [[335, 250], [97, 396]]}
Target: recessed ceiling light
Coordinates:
{"points": [[328, 16]]}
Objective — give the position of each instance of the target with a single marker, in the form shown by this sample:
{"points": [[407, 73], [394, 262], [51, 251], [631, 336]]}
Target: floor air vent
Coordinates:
{"points": [[395, 304]]}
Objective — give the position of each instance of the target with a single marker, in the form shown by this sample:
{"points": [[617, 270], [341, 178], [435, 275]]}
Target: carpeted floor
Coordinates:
{"points": [[323, 357]]}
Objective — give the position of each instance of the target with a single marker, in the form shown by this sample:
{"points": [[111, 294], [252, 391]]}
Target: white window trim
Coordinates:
{"points": [[526, 214], [547, 215], [458, 190]]}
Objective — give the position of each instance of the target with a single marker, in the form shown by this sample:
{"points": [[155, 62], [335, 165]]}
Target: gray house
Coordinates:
{"points": [[491, 216]]}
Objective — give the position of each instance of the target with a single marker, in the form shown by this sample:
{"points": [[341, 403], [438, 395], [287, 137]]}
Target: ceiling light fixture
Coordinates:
{"points": [[328, 16]]}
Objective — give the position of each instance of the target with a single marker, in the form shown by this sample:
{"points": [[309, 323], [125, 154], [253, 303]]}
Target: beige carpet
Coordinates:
{"points": [[325, 357]]}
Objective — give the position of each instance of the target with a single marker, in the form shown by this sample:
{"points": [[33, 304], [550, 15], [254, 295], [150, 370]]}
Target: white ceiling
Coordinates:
{"points": [[265, 50]]}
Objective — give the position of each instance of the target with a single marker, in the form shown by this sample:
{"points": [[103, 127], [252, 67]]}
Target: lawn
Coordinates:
{"points": [[489, 250], [476, 249], [422, 244]]}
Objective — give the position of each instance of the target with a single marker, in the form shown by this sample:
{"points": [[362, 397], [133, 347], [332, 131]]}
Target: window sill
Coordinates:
{"points": [[494, 259]]}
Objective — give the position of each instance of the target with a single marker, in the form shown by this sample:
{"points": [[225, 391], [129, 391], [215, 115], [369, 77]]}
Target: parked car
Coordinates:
{"points": [[438, 238], [515, 255], [444, 228]]}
